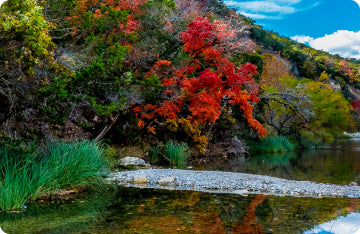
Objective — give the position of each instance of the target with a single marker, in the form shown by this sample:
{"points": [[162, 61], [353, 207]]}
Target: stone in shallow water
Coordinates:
{"points": [[353, 184], [2, 232], [129, 162], [242, 192], [140, 180], [167, 181]]}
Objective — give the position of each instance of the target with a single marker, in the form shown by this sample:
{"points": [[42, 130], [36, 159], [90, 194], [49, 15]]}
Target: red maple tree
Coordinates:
{"points": [[209, 80]]}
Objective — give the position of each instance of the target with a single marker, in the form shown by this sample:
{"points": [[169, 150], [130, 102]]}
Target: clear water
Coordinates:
{"points": [[157, 211], [339, 164]]}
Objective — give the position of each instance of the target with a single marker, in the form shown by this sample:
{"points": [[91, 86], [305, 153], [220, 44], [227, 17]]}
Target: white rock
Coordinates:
{"points": [[242, 192], [1, 231], [133, 162], [353, 184]]}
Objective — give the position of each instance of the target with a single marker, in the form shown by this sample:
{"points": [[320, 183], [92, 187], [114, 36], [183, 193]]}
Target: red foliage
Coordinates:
{"points": [[204, 108], [161, 68], [356, 104], [207, 80], [129, 26], [200, 34], [168, 110]]}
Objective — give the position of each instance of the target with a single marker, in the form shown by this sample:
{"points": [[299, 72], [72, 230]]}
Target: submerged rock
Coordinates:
{"points": [[242, 192], [132, 162], [140, 180], [167, 181]]}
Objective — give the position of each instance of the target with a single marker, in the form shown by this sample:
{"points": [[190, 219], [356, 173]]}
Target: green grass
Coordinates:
{"points": [[271, 145], [154, 154], [176, 154], [58, 166]]}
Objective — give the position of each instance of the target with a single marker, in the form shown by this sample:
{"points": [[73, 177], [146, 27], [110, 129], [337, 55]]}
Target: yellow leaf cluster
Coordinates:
{"points": [[191, 129]]}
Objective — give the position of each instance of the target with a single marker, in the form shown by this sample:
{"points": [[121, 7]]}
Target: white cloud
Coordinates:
{"points": [[348, 224], [357, 1], [302, 38], [2, 1], [263, 6], [343, 42], [269, 9], [253, 16]]}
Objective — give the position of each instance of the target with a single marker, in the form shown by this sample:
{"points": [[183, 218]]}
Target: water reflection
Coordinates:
{"points": [[339, 164], [156, 211], [349, 224]]}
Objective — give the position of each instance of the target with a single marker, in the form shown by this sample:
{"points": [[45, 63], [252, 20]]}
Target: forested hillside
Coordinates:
{"points": [[153, 71]]}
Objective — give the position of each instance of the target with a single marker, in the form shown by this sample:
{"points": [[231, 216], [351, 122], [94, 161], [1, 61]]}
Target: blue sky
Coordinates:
{"points": [[329, 25]]}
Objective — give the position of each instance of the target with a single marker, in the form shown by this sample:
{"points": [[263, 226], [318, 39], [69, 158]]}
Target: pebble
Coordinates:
{"points": [[229, 182]]}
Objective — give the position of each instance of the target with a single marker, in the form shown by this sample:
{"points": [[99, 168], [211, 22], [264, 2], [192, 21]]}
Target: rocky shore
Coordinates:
{"points": [[229, 182]]}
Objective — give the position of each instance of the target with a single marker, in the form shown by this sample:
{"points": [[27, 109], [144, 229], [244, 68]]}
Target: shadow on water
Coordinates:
{"points": [[157, 211]]}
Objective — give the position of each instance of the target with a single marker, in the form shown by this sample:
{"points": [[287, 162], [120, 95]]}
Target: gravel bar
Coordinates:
{"points": [[230, 182]]}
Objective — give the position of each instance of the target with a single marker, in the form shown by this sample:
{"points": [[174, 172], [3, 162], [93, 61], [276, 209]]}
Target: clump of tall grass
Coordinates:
{"points": [[175, 154], [154, 153], [271, 145], [58, 165]]}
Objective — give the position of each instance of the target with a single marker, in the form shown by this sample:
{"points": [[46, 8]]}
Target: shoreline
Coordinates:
{"points": [[229, 182]]}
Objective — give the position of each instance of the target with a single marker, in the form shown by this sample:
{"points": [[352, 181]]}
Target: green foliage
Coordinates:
{"points": [[107, 110], [102, 82], [153, 87], [307, 62], [157, 38], [271, 145], [154, 154], [59, 165], [17, 146], [161, 3], [176, 154], [332, 111], [24, 22], [309, 69], [306, 107]]}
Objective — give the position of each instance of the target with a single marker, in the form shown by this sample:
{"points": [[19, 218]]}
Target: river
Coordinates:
{"points": [[131, 210]]}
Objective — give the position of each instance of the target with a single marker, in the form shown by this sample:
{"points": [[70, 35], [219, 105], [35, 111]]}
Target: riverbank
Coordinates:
{"points": [[229, 182]]}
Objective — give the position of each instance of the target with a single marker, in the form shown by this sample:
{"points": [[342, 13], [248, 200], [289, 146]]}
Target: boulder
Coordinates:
{"points": [[132, 162]]}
